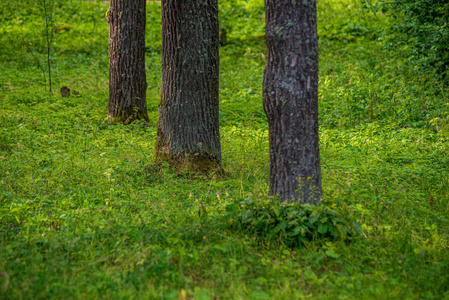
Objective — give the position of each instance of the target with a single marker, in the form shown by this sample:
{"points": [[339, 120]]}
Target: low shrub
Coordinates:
{"points": [[292, 222]]}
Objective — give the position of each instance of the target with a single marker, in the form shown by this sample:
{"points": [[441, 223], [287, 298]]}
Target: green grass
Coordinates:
{"points": [[81, 215]]}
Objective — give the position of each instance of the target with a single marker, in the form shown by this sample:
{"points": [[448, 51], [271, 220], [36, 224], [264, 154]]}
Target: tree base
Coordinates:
{"points": [[127, 116], [194, 163]]}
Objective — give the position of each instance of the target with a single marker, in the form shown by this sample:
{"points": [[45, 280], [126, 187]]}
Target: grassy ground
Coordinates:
{"points": [[81, 215]]}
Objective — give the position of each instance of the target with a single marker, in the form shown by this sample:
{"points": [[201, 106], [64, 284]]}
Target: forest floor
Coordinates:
{"points": [[85, 214]]}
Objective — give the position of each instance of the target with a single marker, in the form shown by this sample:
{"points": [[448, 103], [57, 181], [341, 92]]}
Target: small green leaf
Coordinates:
{"points": [[331, 253], [322, 228]]}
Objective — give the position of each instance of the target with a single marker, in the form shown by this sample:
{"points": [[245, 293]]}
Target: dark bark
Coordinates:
{"points": [[290, 96], [188, 128], [127, 79]]}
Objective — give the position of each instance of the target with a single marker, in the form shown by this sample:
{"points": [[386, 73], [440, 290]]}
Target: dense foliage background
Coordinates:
{"points": [[84, 213], [422, 28]]}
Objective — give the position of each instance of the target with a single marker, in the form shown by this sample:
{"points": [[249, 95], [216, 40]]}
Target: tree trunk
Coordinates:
{"points": [[188, 128], [127, 79], [290, 96]]}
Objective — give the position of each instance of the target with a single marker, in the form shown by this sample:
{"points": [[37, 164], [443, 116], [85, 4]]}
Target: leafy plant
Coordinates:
{"points": [[293, 223]]}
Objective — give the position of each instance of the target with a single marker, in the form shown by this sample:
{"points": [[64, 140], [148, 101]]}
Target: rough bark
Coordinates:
{"points": [[188, 128], [290, 96], [127, 79]]}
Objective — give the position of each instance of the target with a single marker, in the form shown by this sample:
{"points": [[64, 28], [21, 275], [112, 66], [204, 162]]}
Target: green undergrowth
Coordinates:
{"points": [[294, 224], [85, 214]]}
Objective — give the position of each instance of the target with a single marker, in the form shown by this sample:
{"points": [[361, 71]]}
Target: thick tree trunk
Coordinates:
{"points": [[188, 129], [290, 96], [127, 79]]}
